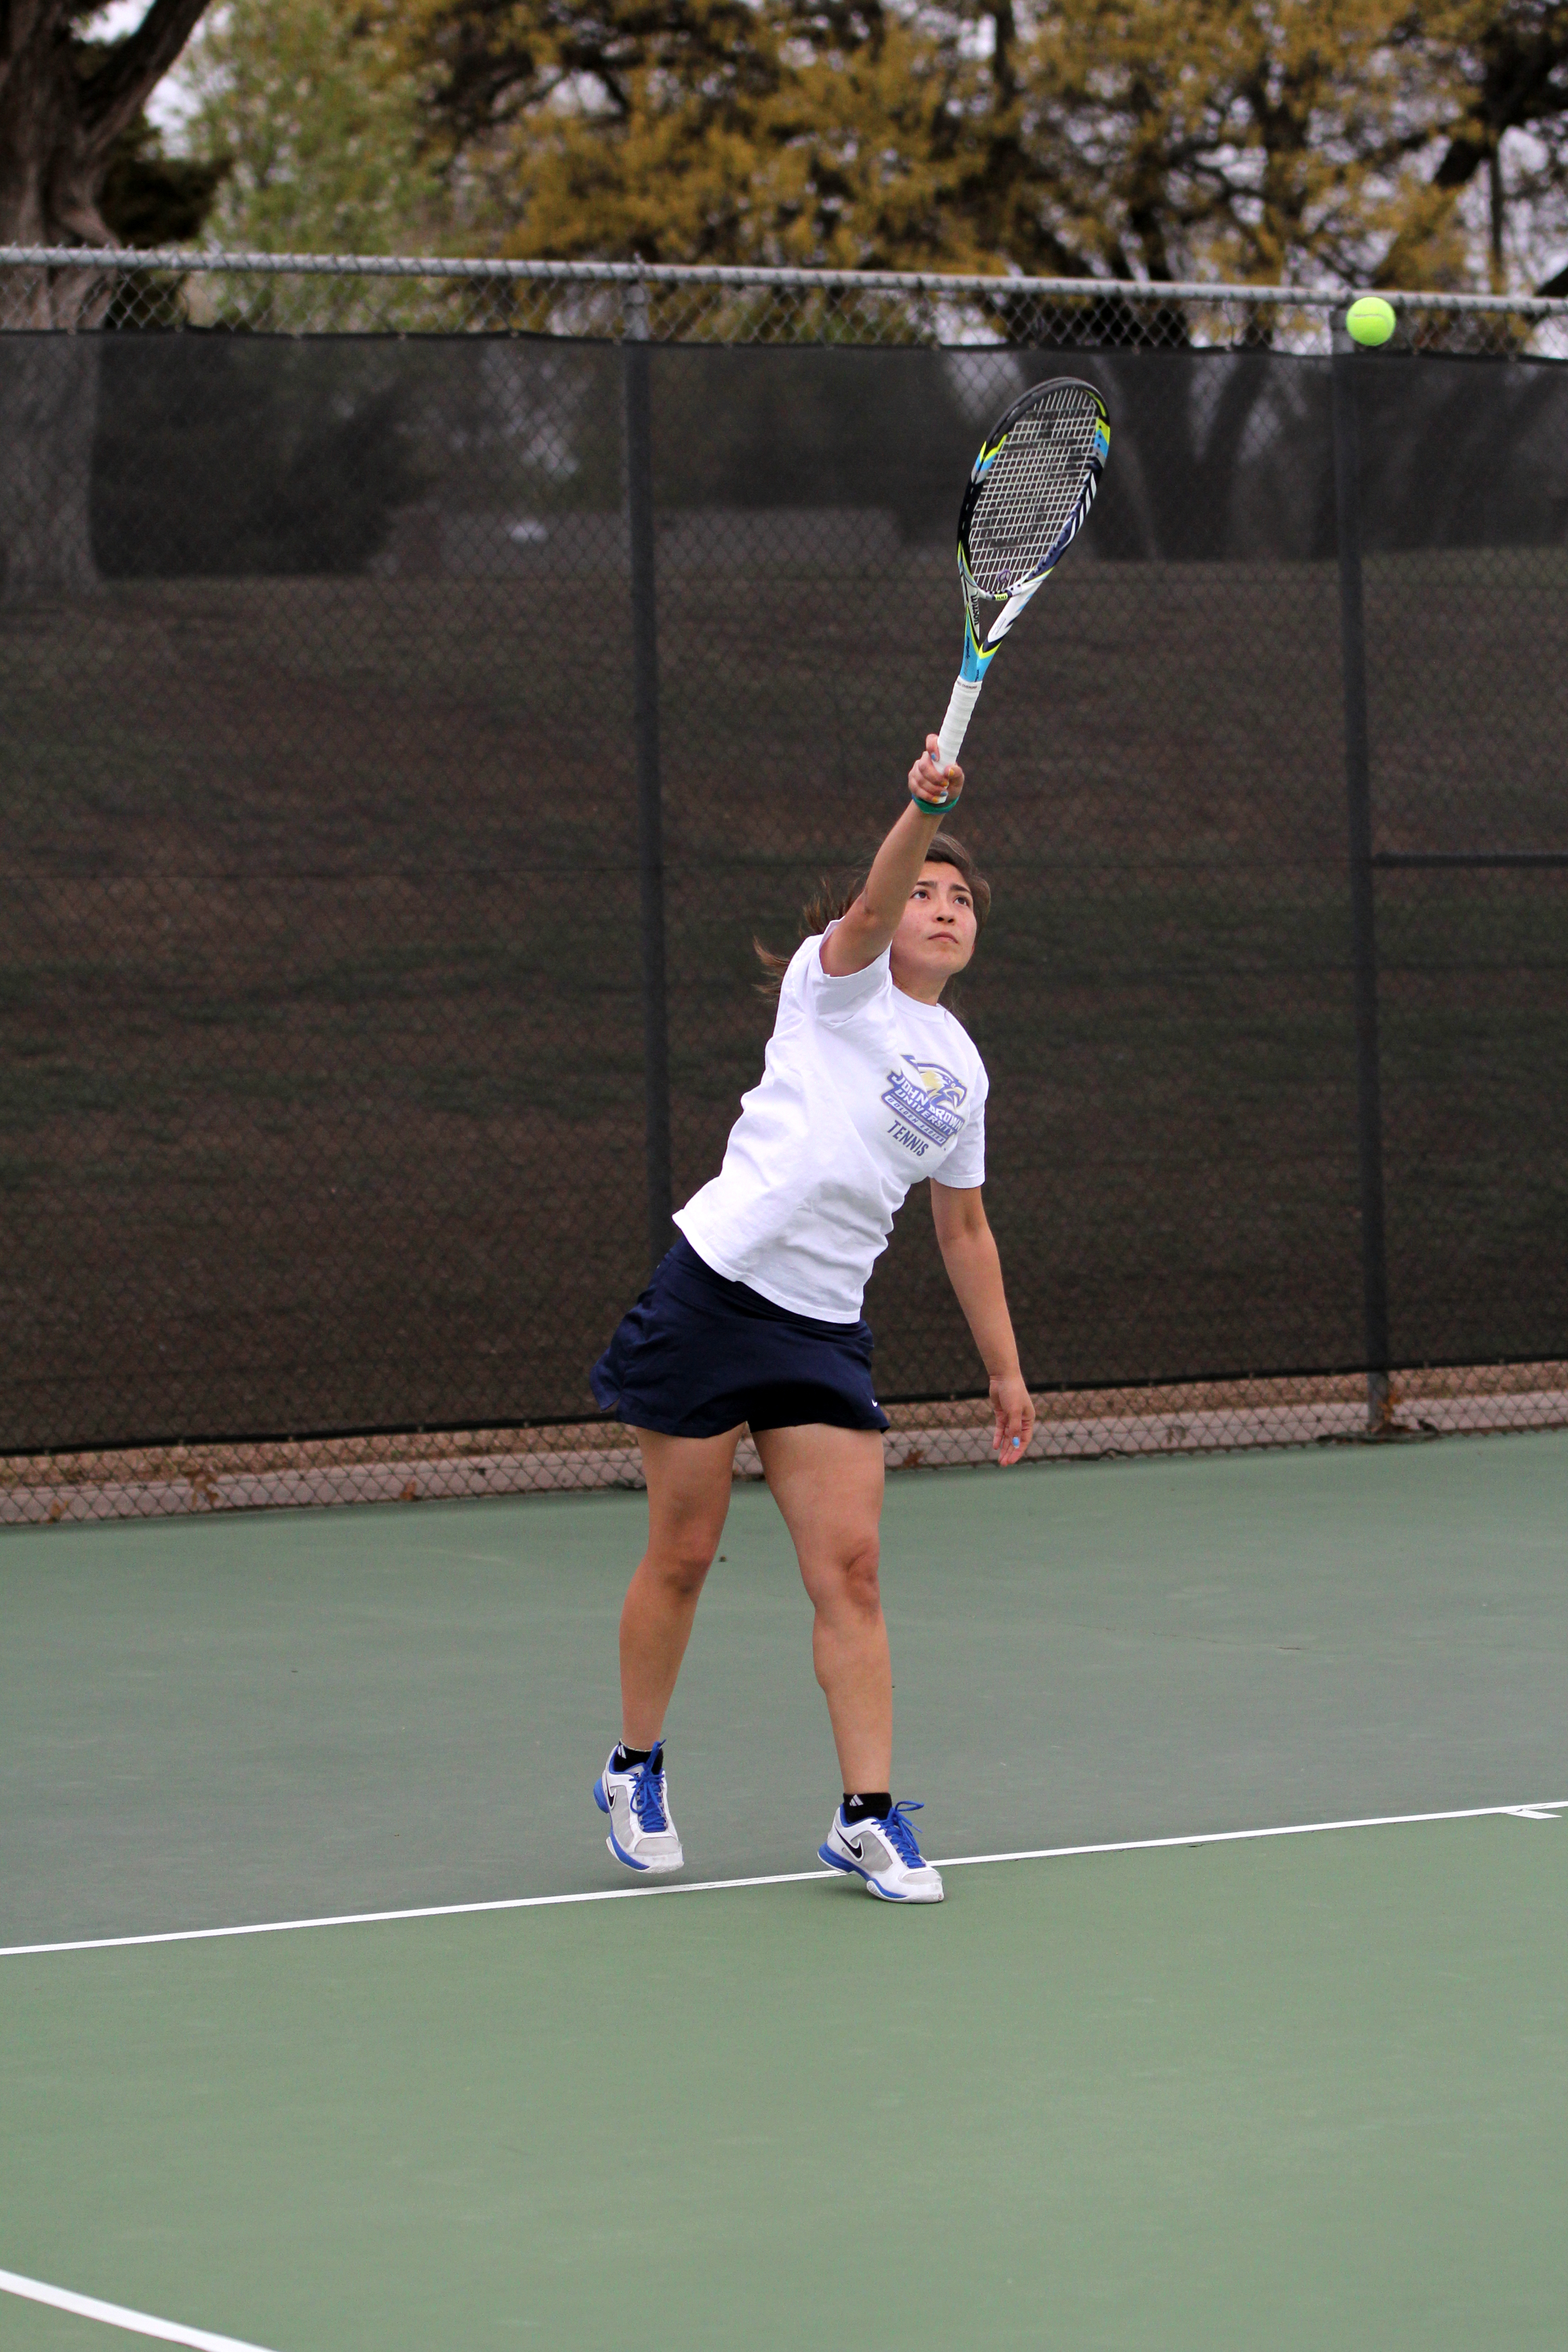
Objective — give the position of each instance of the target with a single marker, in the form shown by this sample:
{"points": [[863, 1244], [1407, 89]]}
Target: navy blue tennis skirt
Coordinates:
{"points": [[698, 1354]]}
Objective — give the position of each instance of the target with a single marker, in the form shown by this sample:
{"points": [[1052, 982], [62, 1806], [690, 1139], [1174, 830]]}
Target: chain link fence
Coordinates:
{"points": [[422, 680], [50, 286]]}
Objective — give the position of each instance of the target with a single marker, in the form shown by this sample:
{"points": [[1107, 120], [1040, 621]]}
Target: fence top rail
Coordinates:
{"points": [[207, 259]]}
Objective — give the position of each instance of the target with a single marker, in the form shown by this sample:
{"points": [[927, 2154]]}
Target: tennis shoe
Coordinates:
{"points": [[642, 1834], [884, 1854]]}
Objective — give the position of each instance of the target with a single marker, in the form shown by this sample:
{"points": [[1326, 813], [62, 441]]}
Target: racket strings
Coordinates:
{"points": [[1033, 491]]}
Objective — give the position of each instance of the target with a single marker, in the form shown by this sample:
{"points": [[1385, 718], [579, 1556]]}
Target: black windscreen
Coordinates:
{"points": [[320, 977]]}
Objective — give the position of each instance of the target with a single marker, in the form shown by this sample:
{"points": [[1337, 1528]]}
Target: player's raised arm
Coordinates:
{"points": [[860, 937]]}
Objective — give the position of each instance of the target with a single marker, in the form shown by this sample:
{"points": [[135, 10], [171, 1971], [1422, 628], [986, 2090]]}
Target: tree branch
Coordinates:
{"points": [[113, 95]]}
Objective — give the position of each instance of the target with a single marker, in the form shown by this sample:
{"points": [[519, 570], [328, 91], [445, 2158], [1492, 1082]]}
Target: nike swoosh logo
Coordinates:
{"points": [[857, 1851]]}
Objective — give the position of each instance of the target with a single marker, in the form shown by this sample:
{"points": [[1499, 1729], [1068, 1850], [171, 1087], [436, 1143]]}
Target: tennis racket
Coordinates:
{"points": [[1033, 485]]}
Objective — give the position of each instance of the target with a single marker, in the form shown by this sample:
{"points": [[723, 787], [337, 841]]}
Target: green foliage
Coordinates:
{"points": [[1229, 139], [1279, 141], [833, 131], [311, 112], [1259, 140]]}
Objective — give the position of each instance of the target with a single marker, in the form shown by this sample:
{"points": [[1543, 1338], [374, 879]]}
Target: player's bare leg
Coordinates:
{"points": [[687, 1497], [689, 1484], [828, 1485]]}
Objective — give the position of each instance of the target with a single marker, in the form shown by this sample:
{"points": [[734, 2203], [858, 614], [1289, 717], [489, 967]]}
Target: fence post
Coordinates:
{"points": [[1363, 912], [638, 407]]}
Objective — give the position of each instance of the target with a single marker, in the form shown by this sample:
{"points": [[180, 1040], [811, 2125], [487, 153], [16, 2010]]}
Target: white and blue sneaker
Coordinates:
{"points": [[642, 1834], [883, 1853]]}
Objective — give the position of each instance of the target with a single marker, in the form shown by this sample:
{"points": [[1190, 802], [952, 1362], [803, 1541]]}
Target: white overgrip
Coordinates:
{"points": [[959, 710]]}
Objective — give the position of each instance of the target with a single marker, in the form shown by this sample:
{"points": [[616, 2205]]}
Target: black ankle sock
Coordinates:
{"points": [[875, 1807], [625, 1758]]}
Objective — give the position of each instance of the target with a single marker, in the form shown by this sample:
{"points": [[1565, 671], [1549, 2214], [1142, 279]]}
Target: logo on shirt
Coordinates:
{"points": [[925, 1098]]}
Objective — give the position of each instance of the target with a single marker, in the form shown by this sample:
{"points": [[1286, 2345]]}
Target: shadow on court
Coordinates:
{"points": [[208, 1722]]}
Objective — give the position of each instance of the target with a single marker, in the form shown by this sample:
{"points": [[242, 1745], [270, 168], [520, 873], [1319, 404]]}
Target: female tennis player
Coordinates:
{"points": [[753, 1320]]}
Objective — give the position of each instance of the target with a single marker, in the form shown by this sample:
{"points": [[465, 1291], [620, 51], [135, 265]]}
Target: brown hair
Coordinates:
{"points": [[827, 905]]}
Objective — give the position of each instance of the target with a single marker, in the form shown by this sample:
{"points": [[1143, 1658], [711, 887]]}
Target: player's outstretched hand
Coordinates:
{"points": [[931, 782], [1014, 1410]]}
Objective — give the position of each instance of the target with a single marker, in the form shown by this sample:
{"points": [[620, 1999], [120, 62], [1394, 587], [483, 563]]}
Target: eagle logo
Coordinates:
{"points": [[943, 1091], [928, 1098]]}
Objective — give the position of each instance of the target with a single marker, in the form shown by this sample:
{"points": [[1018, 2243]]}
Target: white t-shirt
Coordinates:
{"points": [[865, 1091]]}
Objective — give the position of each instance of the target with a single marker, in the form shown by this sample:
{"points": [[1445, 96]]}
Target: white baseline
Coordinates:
{"points": [[115, 2314], [1546, 1808]]}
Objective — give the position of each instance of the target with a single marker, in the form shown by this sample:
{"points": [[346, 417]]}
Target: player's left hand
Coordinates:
{"points": [[1014, 1411]]}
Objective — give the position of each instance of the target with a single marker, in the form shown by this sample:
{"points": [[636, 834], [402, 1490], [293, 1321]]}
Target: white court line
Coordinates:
{"points": [[1536, 1809], [114, 2315]]}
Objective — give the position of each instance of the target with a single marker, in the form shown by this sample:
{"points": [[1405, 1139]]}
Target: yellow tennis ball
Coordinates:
{"points": [[1371, 320]]}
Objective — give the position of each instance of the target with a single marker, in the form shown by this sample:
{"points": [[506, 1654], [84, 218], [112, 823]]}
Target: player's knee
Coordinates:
{"points": [[684, 1559], [858, 1578]]}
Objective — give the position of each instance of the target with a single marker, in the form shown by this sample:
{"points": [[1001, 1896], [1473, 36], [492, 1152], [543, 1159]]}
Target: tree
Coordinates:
{"points": [[151, 198], [1506, 66], [66, 104], [1258, 142], [1264, 141], [312, 111], [810, 132], [67, 107]]}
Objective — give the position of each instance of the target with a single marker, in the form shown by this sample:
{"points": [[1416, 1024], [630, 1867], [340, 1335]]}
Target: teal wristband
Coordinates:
{"points": [[934, 808]]}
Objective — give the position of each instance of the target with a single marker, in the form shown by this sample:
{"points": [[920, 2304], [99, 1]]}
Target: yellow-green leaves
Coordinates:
{"points": [[708, 130]]}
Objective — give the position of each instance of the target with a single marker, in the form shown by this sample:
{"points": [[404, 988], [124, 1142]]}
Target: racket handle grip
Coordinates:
{"points": [[959, 710]]}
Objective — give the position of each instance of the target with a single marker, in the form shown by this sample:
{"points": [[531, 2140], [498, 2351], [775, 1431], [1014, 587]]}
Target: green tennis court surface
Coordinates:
{"points": [[1303, 2091]]}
